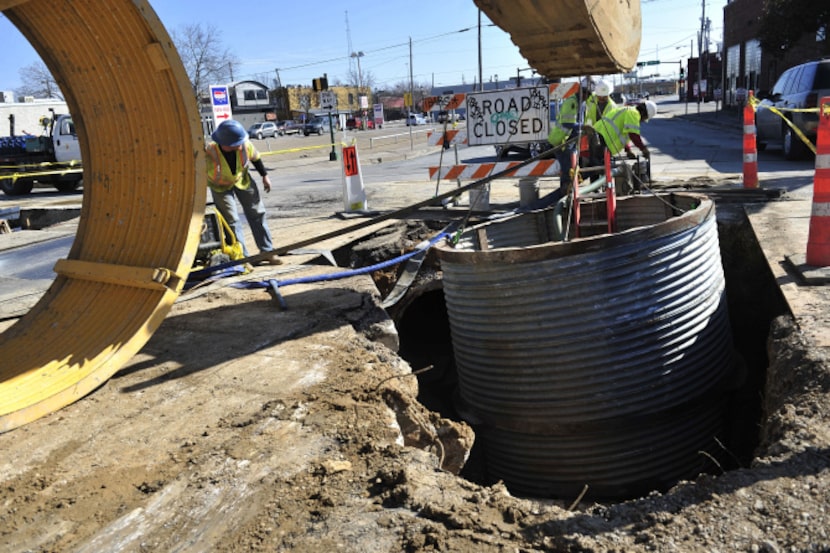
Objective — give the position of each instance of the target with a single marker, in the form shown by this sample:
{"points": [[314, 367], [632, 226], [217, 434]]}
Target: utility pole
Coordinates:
{"points": [[480, 81], [700, 54], [411, 97]]}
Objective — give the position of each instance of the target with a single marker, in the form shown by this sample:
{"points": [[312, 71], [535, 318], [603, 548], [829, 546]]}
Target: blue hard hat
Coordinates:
{"points": [[230, 133]]}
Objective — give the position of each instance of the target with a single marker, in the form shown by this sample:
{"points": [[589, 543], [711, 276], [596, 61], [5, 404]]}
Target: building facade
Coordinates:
{"points": [[747, 66], [253, 102]]}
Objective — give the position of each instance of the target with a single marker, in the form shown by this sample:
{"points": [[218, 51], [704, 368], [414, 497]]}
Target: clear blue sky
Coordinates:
{"points": [[306, 39]]}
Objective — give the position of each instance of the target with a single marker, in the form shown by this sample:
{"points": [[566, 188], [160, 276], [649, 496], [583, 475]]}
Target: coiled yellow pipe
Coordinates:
{"points": [[144, 197]]}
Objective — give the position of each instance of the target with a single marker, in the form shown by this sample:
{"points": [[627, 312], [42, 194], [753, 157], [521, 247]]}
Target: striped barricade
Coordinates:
{"points": [[450, 138], [541, 168]]}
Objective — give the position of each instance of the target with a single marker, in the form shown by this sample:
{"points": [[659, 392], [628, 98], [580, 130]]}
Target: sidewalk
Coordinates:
{"points": [[713, 114]]}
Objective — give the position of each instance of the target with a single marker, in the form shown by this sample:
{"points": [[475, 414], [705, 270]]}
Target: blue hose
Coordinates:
{"points": [[273, 285]]}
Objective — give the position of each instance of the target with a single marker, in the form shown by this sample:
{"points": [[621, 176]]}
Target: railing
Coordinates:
{"points": [[396, 135]]}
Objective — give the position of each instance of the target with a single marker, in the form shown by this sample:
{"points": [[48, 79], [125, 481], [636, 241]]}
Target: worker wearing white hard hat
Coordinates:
{"points": [[599, 102], [597, 106], [621, 126]]}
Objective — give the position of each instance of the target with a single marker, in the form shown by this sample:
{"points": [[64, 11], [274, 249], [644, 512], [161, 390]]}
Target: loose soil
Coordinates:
{"points": [[245, 427]]}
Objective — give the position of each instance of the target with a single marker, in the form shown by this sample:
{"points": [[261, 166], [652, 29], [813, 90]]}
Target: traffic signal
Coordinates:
{"points": [[320, 83], [682, 72]]}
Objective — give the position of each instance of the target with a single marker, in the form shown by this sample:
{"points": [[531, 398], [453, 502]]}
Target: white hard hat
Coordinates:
{"points": [[603, 88], [651, 109]]}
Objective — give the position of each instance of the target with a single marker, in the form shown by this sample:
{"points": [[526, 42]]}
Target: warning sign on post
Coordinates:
{"points": [[221, 102], [512, 115]]}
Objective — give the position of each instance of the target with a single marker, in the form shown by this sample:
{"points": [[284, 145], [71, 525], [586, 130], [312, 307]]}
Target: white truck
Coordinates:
{"points": [[53, 158]]}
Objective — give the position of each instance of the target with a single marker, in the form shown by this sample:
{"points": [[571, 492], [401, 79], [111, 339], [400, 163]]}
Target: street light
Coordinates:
{"points": [[359, 55]]}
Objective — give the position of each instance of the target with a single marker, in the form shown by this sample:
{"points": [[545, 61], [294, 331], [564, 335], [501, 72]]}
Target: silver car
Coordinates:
{"points": [[263, 130], [799, 88]]}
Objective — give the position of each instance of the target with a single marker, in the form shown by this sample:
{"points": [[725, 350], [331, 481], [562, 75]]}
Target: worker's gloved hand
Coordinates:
{"points": [[630, 155], [646, 153]]}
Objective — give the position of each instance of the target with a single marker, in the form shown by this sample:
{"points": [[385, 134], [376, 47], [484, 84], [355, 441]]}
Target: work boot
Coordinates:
{"points": [[272, 259]]}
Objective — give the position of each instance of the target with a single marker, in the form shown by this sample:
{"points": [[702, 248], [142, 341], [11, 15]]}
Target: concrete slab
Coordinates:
{"points": [[782, 229]]}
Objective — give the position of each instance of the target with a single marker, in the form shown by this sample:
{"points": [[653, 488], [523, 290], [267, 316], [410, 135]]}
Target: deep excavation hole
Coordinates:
{"points": [[422, 321]]}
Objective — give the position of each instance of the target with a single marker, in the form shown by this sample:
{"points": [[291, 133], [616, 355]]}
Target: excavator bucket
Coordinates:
{"points": [[565, 38]]}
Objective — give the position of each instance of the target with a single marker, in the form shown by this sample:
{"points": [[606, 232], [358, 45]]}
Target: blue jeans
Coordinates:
{"points": [[254, 209]]}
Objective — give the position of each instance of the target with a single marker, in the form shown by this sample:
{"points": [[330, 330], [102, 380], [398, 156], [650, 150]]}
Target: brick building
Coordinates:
{"points": [[747, 66]]}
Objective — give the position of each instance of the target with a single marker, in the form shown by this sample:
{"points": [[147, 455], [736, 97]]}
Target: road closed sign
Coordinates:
{"points": [[513, 115], [221, 102]]}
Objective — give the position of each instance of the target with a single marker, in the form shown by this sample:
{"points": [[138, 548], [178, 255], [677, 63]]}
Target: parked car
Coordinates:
{"points": [[414, 119], [292, 127], [353, 123], [799, 87], [263, 130], [316, 125], [447, 116]]}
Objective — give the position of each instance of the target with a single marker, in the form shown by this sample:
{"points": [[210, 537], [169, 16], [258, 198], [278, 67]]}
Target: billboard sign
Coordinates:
{"points": [[514, 115]]}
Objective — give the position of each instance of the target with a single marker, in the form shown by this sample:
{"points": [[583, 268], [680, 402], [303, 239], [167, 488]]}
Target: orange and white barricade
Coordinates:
{"points": [[476, 171], [750, 145], [818, 241], [354, 195], [448, 138]]}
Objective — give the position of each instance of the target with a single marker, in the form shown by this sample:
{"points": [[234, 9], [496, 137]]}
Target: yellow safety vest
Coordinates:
{"points": [[591, 106], [219, 175], [565, 120], [616, 125]]}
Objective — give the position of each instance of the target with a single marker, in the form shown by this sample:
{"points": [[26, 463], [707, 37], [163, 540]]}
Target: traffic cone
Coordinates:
{"points": [[750, 147], [818, 241], [354, 195]]}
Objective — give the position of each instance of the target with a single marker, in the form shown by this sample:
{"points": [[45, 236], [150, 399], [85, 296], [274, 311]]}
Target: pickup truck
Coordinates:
{"points": [[54, 158]]}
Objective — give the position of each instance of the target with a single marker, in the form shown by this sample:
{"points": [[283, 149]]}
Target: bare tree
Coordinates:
{"points": [[38, 82], [366, 78], [206, 59], [268, 79]]}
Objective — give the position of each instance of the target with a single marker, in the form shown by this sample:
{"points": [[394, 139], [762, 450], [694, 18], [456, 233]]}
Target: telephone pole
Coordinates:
{"points": [[700, 54]]}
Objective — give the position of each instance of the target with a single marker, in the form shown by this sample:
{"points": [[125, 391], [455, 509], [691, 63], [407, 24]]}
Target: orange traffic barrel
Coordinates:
{"points": [[750, 146], [818, 241]]}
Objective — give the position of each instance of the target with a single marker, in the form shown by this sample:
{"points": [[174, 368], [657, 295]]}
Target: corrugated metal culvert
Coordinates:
{"points": [[601, 361]]}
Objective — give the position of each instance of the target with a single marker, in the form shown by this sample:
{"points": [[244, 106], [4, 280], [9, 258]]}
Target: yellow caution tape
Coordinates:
{"points": [[64, 168], [754, 102], [290, 150]]}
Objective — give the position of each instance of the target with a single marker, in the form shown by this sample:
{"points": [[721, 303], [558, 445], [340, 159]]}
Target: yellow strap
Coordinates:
{"points": [[153, 278]]}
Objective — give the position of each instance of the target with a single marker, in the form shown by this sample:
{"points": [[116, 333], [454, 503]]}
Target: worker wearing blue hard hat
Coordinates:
{"points": [[229, 180]]}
